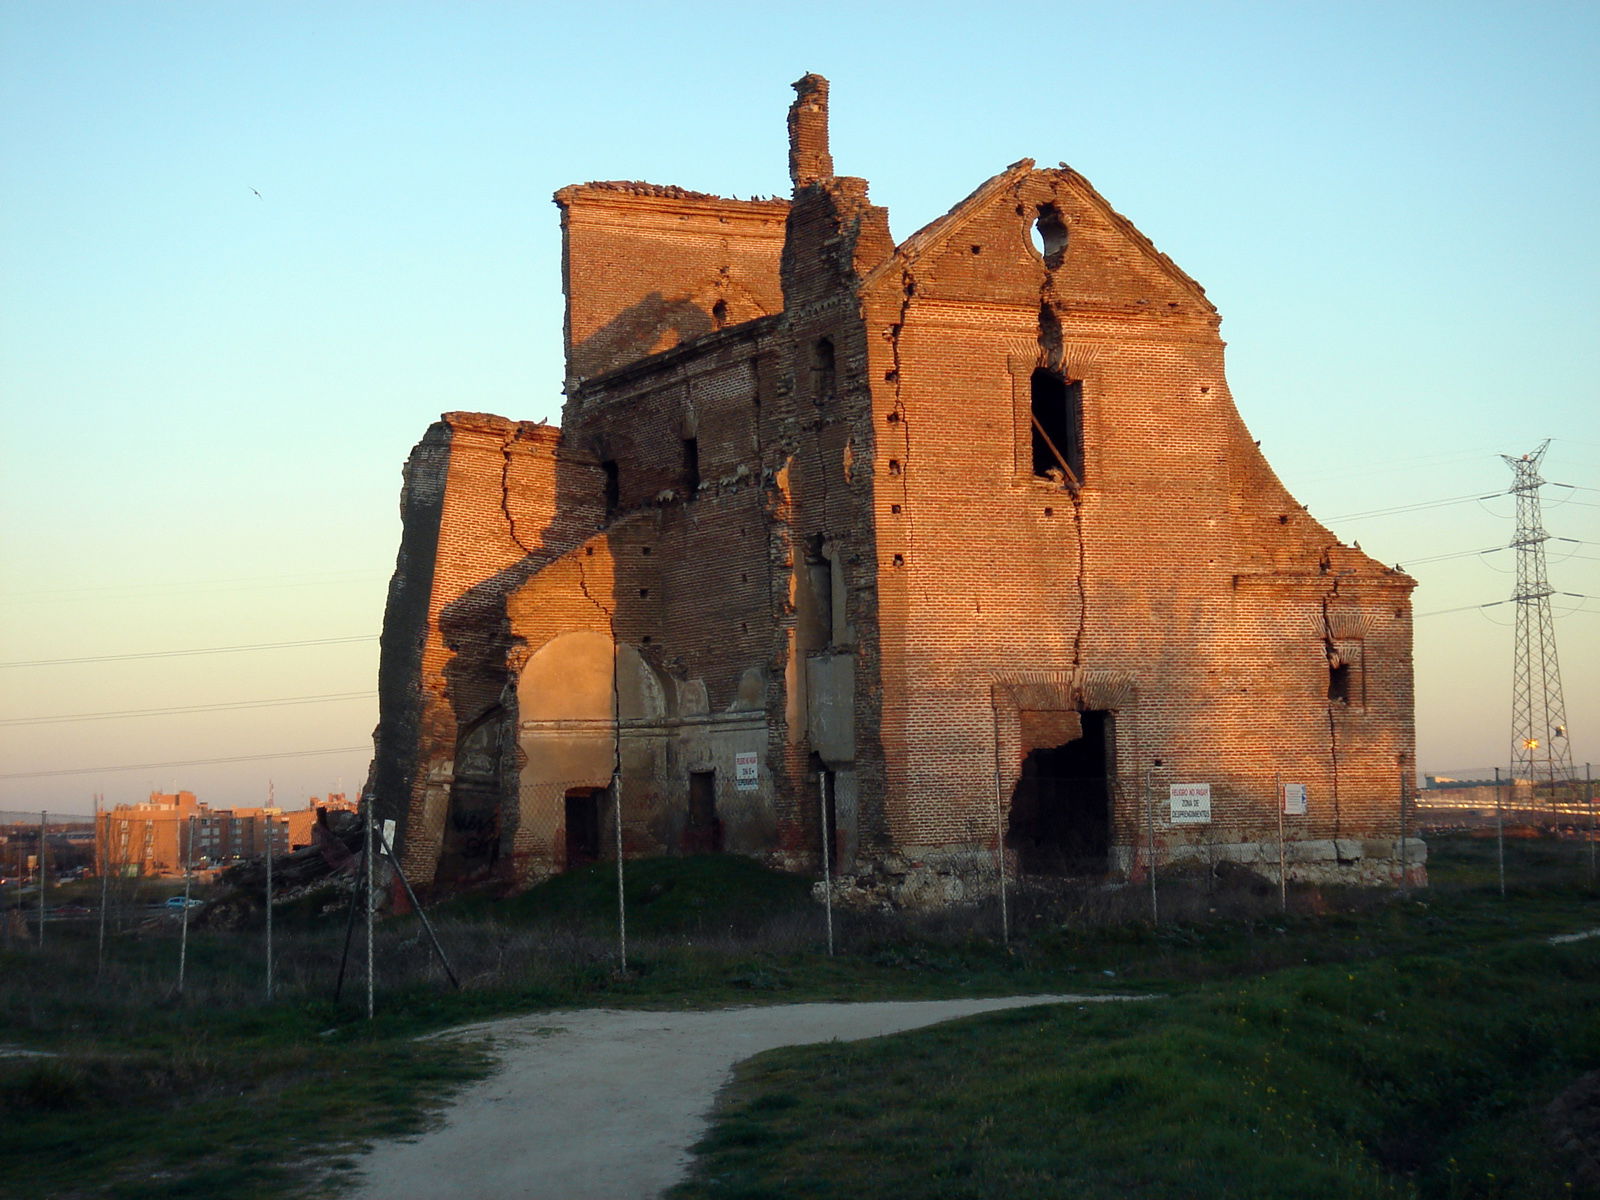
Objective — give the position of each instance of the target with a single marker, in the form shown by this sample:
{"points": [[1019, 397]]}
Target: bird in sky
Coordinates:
{"points": [[258, 194]]}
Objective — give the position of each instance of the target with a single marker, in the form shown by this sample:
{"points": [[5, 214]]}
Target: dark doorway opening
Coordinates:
{"points": [[703, 834], [583, 825], [1061, 808]]}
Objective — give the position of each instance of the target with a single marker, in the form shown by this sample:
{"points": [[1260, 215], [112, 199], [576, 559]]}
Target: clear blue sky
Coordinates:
{"points": [[207, 396]]}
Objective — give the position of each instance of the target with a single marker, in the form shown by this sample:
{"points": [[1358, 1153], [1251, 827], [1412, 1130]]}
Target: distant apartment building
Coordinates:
{"points": [[173, 829]]}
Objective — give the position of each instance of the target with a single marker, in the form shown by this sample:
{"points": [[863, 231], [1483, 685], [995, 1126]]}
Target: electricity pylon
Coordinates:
{"points": [[1540, 750]]}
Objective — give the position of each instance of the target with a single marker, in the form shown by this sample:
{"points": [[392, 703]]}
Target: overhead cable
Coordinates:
{"points": [[96, 658]]}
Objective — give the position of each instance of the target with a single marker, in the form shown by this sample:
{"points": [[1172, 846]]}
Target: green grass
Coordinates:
{"points": [[1402, 1077], [149, 1093]]}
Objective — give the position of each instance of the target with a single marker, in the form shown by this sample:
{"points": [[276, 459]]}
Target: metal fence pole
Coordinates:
{"points": [[103, 855], [183, 940], [269, 909], [827, 858], [1500, 832], [366, 884], [1403, 887], [1150, 831], [42, 839], [1588, 794], [1283, 868], [622, 906], [1000, 826]]}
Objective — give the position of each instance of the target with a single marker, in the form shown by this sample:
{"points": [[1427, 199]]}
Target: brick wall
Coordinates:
{"points": [[799, 508]]}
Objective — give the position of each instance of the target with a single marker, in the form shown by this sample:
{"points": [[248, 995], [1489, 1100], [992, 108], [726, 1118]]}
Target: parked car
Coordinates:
{"points": [[180, 903]]}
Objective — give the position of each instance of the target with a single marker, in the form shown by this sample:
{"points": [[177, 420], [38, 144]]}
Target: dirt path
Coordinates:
{"points": [[604, 1105]]}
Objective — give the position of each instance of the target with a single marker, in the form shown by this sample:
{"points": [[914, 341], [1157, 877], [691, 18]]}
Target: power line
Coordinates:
{"points": [[96, 658], [187, 708], [188, 762], [1403, 508]]}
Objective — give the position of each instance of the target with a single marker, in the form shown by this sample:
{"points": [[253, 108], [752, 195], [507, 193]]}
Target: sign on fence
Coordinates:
{"points": [[1294, 799], [746, 774], [1191, 803]]}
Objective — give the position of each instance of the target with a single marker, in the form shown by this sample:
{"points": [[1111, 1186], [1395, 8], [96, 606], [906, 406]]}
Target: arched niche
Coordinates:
{"points": [[571, 678]]}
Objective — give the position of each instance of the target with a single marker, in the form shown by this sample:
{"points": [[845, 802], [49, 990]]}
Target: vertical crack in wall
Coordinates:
{"points": [[1333, 728], [908, 289], [616, 688], [1052, 352], [1083, 589], [505, 493]]}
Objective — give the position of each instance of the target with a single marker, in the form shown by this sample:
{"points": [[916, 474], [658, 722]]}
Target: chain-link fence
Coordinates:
{"points": [[565, 885]]}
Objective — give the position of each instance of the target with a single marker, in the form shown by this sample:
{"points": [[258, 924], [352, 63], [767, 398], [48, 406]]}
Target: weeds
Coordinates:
{"points": [[151, 1093]]}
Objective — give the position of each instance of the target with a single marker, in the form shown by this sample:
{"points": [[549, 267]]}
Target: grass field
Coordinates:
{"points": [[1360, 1045]]}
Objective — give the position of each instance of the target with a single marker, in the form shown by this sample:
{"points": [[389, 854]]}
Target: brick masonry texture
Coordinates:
{"points": [[958, 548]]}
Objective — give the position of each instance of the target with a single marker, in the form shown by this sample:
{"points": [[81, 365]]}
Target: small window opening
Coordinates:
{"points": [[1050, 235], [1338, 680], [1057, 418], [691, 467], [822, 370], [894, 466], [719, 315], [613, 487]]}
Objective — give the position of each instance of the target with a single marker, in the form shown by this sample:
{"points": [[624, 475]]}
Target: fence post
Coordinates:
{"points": [[42, 840], [269, 909], [103, 860], [1283, 865], [1000, 825], [1588, 794], [622, 898], [1150, 832], [827, 857], [366, 885], [1403, 887], [183, 940], [1500, 831]]}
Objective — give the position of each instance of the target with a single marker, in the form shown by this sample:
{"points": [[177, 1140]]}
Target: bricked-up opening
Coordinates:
{"points": [[691, 468], [822, 370], [613, 487], [1057, 412], [1050, 235], [583, 825], [1060, 819], [702, 832]]}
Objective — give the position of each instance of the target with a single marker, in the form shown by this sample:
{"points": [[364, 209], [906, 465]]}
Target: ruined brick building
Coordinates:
{"points": [[934, 546]]}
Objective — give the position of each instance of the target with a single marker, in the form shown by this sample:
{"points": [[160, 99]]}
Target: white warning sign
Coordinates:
{"points": [[1294, 799], [1191, 803], [746, 772]]}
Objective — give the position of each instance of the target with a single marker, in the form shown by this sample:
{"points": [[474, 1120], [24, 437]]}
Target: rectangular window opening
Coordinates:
{"points": [[691, 468], [1056, 411], [613, 487]]}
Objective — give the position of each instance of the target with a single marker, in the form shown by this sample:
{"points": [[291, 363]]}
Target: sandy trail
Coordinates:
{"points": [[604, 1105]]}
